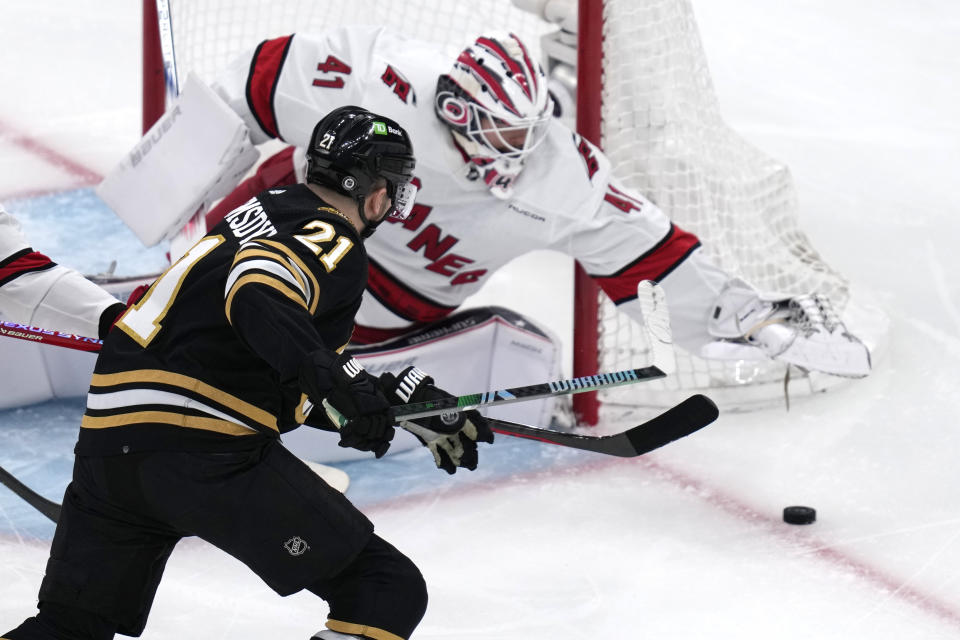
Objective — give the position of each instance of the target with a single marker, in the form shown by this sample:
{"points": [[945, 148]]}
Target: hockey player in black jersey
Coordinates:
{"points": [[236, 343]]}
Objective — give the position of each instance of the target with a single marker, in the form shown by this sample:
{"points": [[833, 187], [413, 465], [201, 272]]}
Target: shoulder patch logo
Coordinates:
{"points": [[296, 546]]}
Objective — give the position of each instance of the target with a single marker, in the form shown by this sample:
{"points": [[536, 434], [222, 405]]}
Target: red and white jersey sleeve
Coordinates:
{"points": [[285, 85], [622, 238], [35, 290]]}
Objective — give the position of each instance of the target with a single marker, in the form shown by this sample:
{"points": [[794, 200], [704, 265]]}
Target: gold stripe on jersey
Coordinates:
{"points": [[166, 417], [261, 278], [102, 381], [297, 260], [361, 630], [246, 254]]}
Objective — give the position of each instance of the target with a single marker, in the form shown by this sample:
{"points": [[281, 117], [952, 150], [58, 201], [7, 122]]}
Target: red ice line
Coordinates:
{"points": [[85, 176], [730, 505]]}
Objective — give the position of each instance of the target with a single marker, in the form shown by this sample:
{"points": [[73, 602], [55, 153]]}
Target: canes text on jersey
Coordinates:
{"points": [[436, 248]]}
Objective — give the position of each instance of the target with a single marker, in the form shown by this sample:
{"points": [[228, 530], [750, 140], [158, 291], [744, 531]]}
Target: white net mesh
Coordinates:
{"points": [[661, 128], [208, 33], [663, 132]]}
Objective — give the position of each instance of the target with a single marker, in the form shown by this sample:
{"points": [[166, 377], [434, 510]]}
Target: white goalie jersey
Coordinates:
{"points": [[423, 268]]}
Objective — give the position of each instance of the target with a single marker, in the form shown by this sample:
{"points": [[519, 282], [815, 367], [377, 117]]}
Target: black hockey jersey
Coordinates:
{"points": [[209, 357]]}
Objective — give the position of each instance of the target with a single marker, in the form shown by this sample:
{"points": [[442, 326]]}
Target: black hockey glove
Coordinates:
{"points": [[342, 387], [451, 437]]}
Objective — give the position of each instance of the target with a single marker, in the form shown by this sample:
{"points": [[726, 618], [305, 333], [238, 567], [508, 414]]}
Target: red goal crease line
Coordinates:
{"points": [[84, 176]]}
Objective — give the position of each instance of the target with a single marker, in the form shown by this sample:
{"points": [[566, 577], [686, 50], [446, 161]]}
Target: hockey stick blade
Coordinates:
{"points": [[689, 416], [46, 507]]}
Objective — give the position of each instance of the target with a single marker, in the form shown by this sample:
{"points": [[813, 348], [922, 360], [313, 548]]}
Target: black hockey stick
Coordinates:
{"points": [[46, 507], [689, 416], [530, 392], [454, 404], [658, 336]]}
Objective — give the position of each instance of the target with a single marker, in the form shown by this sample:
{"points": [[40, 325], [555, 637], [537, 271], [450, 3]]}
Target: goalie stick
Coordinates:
{"points": [[46, 336], [196, 227]]}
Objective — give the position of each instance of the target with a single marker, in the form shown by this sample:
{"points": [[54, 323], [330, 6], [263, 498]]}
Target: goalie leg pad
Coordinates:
{"points": [[477, 349]]}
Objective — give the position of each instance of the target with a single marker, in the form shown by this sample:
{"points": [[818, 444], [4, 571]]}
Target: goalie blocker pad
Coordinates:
{"points": [[481, 348], [195, 154]]}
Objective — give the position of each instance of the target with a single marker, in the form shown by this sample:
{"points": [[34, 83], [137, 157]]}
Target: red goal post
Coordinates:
{"points": [[645, 95]]}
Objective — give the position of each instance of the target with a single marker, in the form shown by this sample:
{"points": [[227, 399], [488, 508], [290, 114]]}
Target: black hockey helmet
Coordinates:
{"points": [[352, 148]]}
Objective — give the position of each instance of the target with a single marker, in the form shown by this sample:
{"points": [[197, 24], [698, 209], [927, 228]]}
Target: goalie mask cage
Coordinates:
{"points": [[645, 96]]}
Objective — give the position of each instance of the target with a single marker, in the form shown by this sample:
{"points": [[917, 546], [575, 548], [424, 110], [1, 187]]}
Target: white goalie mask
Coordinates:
{"points": [[496, 102]]}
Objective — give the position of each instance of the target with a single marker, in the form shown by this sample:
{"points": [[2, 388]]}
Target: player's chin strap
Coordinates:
{"points": [[368, 226]]}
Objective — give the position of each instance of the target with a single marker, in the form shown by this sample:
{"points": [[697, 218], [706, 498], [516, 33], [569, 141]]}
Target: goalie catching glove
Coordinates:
{"points": [[347, 391], [451, 437], [804, 331]]}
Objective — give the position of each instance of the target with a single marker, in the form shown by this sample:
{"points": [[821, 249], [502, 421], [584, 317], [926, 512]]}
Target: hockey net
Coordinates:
{"points": [[658, 120]]}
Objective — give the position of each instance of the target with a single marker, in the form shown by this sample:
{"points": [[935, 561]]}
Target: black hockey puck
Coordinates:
{"points": [[799, 515]]}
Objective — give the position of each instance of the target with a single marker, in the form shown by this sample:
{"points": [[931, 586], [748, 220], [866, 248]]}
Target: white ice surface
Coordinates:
{"points": [[861, 100]]}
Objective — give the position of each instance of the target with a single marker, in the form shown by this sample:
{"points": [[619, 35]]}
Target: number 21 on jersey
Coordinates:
{"points": [[325, 233], [143, 321]]}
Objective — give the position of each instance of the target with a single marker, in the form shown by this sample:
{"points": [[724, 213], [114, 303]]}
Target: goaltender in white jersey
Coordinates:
{"points": [[499, 176], [476, 210], [461, 232]]}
